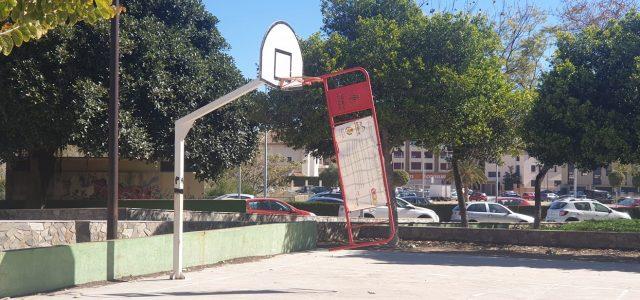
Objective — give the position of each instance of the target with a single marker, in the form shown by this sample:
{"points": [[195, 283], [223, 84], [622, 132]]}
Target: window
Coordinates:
{"points": [[428, 166], [497, 209], [278, 206], [398, 154], [398, 166], [444, 166], [533, 182], [289, 159], [533, 168], [601, 208], [477, 207], [401, 204], [555, 168], [517, 158], [597, 180], [558, 205], [416, 154], [557, 182], [492, 174], [261, 205], [428, 154], [415, 165], [582, 206], [517, 169]]}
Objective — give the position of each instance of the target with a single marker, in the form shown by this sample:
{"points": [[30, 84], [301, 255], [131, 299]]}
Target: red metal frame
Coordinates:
{"points": [[349, 99]]}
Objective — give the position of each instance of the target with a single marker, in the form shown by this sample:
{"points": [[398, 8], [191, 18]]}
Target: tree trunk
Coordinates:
{"points": [[538, 198], [43, 168], [461, 197], [388, 161]]}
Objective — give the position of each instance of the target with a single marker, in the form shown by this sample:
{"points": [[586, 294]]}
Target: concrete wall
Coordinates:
{"points": [[30, 271]]}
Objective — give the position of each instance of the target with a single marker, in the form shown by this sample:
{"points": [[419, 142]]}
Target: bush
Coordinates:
{"points": [[604, 225], [320, 209]]}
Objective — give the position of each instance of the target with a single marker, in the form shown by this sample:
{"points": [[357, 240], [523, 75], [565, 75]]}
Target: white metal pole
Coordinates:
{"points": [[239, 181], [423, 177], [497, 181], [182, 127], [266, 163]]}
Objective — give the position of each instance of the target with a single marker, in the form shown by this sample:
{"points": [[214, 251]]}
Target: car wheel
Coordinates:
{"points": [[424, 217], [473, 221], [368, 216], [523, 221], [572, 220]]}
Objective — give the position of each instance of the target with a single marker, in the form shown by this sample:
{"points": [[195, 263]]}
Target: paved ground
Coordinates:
{"points": [[386, 275]]}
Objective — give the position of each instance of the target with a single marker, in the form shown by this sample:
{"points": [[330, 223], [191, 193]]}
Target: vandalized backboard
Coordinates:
{"points": [[360, 164]]}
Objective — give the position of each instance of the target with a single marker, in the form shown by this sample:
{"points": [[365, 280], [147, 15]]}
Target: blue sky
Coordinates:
{"points": [[243, 22]]}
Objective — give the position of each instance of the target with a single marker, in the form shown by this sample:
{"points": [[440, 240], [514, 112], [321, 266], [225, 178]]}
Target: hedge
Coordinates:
{"points": [[195, 205], [603, 225]]}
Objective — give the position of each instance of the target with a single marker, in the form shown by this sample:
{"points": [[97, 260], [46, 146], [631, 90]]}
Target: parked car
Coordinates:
{"points": [[416, 200], [405, 210], [509, 194], [235, 196], [513, 201], [573, 209], [490, 212], [528, 195], [600, 195], [330, 200], [581, 194], [628, 202], [477, 196], [337, 195], [548, 196], [268, 206]]}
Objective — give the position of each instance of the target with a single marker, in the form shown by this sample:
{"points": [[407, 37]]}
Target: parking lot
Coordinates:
{"points": [[368, 274]]}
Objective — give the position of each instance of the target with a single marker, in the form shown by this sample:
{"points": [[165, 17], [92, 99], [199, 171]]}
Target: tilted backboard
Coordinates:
{"points": [[280, 55]]}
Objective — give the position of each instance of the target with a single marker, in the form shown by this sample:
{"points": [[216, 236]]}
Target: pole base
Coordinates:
{"points": [[177, 276]]}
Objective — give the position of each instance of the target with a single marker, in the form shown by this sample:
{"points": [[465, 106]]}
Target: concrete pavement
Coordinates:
{"points": [[362, 274]]}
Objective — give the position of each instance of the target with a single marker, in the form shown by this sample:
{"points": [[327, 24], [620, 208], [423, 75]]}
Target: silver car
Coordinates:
{"points": [[491, 213]]}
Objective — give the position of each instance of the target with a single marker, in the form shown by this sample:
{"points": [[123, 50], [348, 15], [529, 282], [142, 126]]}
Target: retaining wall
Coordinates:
{"points": [[335, 231], [29, 271]]}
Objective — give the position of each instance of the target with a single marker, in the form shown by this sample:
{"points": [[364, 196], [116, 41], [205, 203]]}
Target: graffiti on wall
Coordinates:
{"points": [[83, 185]]}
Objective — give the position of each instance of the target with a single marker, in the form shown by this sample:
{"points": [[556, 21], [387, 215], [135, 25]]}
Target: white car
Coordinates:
{"points": [[405, 210], [235, 196], [491, 213], [573, 209]]}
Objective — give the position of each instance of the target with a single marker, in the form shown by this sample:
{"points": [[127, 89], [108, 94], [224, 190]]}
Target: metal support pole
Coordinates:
{"points": [[266, 163], [114, 90], [182, 127], [497, 181]]}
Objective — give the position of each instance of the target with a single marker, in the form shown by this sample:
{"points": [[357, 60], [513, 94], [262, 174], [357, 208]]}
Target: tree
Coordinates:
{"points": [[471, 175], [587, 100], [616, 178], [577, 15], [23, 20], [400, 178], [55, 92], [635, 180], [329, 176], [511, 179], [278, 170]]}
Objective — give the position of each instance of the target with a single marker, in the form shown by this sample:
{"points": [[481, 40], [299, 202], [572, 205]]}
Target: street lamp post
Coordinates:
{"points": [[114, 90]]}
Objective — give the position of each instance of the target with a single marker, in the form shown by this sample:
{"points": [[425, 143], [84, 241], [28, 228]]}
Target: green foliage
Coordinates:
{"points": [[400, 178], [24, 20], [604, 225], [587, 110], [510, 180], [635, 180], [330, 176], [320, 209], [470, 172], [3, 183], [55, 90], [616, 178]]}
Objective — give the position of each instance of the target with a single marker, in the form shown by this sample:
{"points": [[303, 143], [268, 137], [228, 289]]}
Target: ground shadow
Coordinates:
{"points": [[461, 258], [220, 293]]}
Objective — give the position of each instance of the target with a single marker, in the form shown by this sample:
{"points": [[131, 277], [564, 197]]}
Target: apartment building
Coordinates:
{"points": [[424, 167], [527, 167], [310, 166]]}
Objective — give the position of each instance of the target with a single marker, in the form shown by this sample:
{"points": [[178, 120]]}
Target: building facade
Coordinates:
{"points": [[310, 166], [424, 166]]}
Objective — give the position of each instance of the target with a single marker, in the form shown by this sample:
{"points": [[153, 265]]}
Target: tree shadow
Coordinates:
{"points": [[256, 293], [461, 258], [22, 270]]}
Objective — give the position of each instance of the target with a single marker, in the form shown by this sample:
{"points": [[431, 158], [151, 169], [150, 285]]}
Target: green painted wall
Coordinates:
{"points": [[29, 271]]}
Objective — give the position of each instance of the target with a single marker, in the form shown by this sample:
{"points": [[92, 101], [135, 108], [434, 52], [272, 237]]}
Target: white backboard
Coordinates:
{"points": [[360, 166], [280, 55]]}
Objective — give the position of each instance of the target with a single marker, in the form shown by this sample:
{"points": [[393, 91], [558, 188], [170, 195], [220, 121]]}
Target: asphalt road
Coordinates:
{"points": [[359, 274]]}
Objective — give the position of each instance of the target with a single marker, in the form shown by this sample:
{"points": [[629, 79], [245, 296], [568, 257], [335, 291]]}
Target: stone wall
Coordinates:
{"points": [[29, 234]]}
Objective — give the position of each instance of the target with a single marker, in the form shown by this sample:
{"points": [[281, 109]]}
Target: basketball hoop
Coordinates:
{"points": [[293, 82]]}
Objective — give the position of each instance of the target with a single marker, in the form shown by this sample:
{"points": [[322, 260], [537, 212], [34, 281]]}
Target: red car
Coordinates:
{"points": [[477, 196], [628, 203], [268, 206], [513, 201], [529, 195]]}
